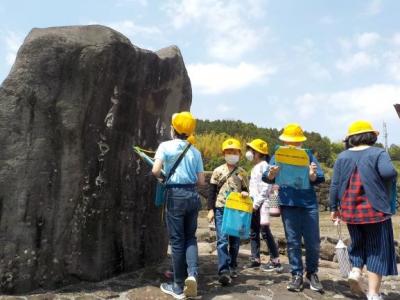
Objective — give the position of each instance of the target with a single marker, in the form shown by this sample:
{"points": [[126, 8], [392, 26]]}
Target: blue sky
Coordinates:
{"points": [[321, 63]]}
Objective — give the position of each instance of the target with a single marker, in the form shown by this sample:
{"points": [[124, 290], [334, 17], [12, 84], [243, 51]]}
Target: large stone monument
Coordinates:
{"points": [[75, 202]]}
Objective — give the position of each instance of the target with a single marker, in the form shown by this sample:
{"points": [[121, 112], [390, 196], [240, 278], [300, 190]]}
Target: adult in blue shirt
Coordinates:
{"points": [[182, 203], [300, 215]]}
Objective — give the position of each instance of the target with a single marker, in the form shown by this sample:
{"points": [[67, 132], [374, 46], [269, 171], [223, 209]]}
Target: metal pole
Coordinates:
{"points": [[385, 136]]}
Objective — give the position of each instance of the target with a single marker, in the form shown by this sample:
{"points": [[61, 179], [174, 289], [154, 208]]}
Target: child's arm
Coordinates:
{"points": [[212, 196]]}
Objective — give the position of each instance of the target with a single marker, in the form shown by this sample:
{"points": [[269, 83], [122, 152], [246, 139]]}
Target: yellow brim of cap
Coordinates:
{"points": [[362, 131], [287, 138]]}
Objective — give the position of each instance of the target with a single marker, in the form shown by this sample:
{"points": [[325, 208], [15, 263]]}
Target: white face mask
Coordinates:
{"points": [[250, 155], [232, 159]]}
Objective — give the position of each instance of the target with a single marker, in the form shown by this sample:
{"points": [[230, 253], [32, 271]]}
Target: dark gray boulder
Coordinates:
{"points": [[75, 202]]}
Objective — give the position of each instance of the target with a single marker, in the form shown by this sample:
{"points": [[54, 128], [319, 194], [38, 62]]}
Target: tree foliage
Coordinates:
{"points": [[211, 134]]}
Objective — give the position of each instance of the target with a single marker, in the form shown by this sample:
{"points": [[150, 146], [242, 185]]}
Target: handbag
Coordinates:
{"points": [[236, 219], [342, 253], [161, 186], [274, 209]]}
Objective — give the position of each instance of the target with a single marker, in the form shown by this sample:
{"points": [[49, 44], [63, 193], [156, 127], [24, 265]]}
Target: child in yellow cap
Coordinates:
{"points": [[257, 154], [182, 203], [300, 214], [225, 179]]}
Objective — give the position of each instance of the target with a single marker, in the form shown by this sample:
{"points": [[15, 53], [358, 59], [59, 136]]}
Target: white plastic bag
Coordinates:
{"points": [[342, 254], [264, 214]]}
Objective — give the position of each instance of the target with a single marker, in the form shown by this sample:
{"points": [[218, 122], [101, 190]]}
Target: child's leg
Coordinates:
{"points": [[269, 239], [310, 232], [255, 236], [292, 222], [222, 243], [234, 244]]}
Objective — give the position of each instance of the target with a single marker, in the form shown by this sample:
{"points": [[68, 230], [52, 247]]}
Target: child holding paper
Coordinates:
{"points": [[225, 179], [300, 214]]}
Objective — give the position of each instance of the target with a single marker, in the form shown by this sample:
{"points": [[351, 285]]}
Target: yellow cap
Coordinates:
{"points": [[231, 144], [259, 145], [184, 123], [360, 126], [293, 133]]}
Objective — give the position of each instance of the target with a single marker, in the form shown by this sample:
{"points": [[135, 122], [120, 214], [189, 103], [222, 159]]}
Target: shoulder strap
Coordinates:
{"points": [[222, 182], [172, 171]]}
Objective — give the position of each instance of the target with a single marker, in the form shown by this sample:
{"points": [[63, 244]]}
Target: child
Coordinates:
{"points": [[225, 179], [359, 197], [257, 153], [300, 215], [182, 203]]}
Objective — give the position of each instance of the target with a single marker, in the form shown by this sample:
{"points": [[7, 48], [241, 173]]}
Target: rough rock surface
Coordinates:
{"points": [[75, 203]]}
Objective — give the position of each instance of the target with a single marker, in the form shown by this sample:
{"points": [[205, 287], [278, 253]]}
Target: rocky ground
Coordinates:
{"points": [[251, 284]]}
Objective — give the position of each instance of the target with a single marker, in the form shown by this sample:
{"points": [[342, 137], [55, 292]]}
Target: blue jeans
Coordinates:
{"points": [[182, 209], [227, 258], [301, 222], [266, 234]]}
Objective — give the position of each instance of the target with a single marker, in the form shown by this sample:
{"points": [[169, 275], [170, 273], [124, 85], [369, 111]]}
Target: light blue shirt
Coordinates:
{"points": [[188, 168]]}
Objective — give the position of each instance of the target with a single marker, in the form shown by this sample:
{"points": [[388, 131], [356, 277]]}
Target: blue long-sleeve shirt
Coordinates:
{"points": [[289, 196], [376, 170]]}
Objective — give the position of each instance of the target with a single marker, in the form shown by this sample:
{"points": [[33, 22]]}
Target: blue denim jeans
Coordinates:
{"points": [[227, 246], [182, 208], [301, 222], [266, 234]]}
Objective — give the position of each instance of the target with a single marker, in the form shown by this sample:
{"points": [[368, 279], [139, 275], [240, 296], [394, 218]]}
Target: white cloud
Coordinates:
{"points": [[367, 39], [396, 39], [374, 7], [216, 78], [227, 24], [332, 113], [12, 42], [356, 61]]}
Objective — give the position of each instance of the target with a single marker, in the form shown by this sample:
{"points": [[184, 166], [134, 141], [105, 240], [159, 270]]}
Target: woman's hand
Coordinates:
{"points": [[335, 216], [210, 216]]}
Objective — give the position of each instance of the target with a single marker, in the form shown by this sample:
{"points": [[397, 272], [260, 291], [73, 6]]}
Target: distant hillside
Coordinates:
{"points": [[211, 134]]}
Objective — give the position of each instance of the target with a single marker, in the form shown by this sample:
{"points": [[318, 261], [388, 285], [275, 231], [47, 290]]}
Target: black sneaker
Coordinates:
{"points": [[271, 266], [296, 284], [253, 264], [224, 278], [315, 284], [233, 273]]}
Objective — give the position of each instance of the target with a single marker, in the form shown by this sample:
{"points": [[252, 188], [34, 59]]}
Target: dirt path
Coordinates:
{"points": [[251, 284]]}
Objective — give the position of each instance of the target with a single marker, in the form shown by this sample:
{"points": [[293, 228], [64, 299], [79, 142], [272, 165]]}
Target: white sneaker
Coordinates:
{"points": [[354, 280], [374, 297], [190, 289]]}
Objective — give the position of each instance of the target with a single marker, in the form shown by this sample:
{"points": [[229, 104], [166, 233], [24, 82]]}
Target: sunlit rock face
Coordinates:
{"points": [[75, 202]]}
